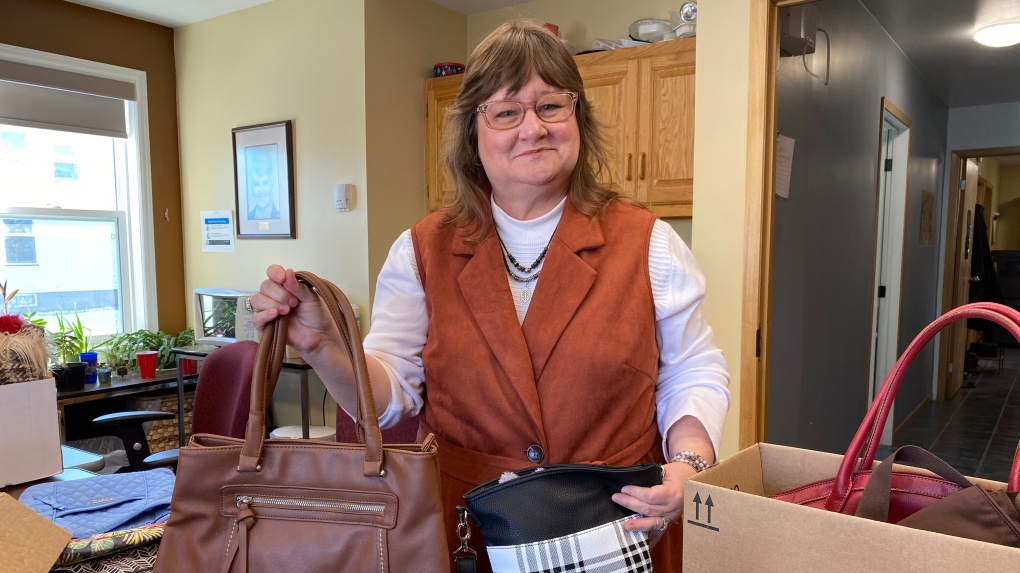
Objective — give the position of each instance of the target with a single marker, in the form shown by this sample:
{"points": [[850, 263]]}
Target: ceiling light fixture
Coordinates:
{"points": [[999, 35]]}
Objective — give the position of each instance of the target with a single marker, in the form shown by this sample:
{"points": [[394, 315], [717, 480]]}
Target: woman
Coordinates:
{"points": [[549, 320]]}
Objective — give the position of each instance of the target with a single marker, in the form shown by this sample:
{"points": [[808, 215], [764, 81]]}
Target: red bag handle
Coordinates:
{"points": [[861, 453]]}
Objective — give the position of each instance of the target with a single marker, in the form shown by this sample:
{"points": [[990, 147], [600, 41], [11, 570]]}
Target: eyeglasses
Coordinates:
{"points": [[551, 108]]}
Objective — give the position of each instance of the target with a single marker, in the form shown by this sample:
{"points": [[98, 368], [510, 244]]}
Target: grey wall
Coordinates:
{"points": [[824, 244]]}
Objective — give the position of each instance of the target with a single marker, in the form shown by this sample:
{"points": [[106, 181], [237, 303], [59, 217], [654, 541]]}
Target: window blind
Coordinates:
{"points": [[36, 96]]}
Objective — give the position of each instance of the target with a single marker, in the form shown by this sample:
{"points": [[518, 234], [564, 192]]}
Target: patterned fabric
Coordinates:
{"points": [[108, 543], [23, 355], [103, 503], [607, 548], [136, 560]]}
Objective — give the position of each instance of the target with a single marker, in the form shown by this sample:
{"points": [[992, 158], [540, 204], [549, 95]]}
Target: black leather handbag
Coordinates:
{"points": [[560, 518]]}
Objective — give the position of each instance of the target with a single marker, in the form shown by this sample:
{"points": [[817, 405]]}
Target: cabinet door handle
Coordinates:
{"points": [[641, 169], [630, 161]]}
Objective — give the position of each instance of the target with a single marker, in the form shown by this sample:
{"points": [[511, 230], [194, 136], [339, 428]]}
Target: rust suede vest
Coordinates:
{"points": [[577, 380]]}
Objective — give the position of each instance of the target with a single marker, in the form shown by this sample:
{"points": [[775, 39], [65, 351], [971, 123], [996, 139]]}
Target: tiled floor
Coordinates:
{"points": [[977, 431]]}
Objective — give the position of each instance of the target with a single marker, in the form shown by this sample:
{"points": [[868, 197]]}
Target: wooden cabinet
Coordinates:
{"points": [[440, 94], [644, 98]]}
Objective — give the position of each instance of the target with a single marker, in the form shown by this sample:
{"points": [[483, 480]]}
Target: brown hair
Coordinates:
{"points": [[507, 58]]}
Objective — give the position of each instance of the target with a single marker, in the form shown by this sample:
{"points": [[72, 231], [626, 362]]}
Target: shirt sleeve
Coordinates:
{"points": [[692, 371], [399, 328]]}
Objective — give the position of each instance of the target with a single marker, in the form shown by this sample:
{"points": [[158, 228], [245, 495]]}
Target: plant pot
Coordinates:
{"points": [[69, 376]]}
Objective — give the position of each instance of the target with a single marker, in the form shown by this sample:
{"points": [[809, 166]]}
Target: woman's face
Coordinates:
{"points": [[535, 155]]}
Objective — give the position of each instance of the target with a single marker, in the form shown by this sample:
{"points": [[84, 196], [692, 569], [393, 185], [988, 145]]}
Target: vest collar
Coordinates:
{"points": [[565, 282], [575, 230]]}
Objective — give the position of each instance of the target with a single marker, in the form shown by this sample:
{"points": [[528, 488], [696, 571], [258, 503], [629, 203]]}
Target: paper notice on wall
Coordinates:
{"points": [[217, 232], [784, 165]]}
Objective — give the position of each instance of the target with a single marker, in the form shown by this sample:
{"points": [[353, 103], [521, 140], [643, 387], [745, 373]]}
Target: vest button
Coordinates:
{"points": [[536, 454]]}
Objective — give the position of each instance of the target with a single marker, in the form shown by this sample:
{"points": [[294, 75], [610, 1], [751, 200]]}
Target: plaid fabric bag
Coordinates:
{"points": [[607, 548], [559, 518]]}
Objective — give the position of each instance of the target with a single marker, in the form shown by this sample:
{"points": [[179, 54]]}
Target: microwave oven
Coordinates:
{"points": [[220, 316]]}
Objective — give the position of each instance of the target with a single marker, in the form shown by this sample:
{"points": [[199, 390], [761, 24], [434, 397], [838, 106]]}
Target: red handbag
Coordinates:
{"points": [[910, 492]]}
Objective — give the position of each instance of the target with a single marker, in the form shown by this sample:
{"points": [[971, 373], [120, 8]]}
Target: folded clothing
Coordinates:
{"points": [[103, 503]]}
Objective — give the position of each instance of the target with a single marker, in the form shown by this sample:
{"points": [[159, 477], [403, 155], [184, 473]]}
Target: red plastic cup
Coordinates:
{"points": [[147, 363], [189, 366]]}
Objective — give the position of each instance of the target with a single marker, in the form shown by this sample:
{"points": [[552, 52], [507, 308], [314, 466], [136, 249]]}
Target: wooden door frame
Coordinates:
{"points": [[758, 214], [888, 108]]}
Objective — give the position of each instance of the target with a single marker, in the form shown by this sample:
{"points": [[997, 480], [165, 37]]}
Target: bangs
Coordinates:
{"points": [[532, 51]]}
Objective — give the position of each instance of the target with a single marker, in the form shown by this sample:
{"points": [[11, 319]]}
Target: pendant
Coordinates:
{"points": [[525, 294]]}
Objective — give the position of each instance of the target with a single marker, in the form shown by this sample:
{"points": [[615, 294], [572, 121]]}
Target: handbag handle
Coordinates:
{"points": [[861, 453], [269, 361], [874, 504]]}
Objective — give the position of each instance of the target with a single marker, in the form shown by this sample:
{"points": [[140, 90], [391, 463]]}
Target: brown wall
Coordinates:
{"points": [[68, 29]]}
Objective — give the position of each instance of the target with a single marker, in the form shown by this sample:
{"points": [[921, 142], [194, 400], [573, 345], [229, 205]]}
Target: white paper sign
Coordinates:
{"points": [[217, 232], [784, 165]]}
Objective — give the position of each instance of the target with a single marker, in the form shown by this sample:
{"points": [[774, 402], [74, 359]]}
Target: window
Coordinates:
{"points": [[19, 243], [74, 200]]}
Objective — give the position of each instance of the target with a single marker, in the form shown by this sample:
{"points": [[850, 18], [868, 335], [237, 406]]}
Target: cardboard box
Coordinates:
{"points": [[29, 432], [731, 525], [28, 543]]}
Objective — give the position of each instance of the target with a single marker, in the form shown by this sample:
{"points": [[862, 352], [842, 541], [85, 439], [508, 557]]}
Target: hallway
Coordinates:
{"points": [[977, 431]]}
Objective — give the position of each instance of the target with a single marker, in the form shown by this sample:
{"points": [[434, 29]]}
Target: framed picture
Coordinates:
{"points": [[264, 181]]}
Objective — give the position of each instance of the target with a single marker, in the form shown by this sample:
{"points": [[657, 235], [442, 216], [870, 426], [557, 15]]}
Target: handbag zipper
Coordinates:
{"points": [[252, 500]]}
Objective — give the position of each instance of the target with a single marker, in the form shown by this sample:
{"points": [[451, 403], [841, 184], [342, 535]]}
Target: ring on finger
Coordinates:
{"points": [[247, 305], [665, 523]]}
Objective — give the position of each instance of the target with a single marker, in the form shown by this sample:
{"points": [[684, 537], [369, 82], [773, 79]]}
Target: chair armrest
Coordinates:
{"points": [[162, 459], [128, 417]]}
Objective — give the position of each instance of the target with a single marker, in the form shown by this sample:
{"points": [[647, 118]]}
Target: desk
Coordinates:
{"points": [[200, 351], [133, 383]]}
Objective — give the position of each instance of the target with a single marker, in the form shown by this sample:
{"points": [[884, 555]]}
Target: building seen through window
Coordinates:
{"points": [[64, 252]]}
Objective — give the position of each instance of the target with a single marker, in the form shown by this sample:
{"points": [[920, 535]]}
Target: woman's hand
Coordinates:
{"points": [[656, 504], [311, 327]]}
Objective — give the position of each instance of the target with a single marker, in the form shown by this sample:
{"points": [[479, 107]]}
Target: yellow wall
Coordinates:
{"points": [[302, 60], [403, 40], [720, 135]]}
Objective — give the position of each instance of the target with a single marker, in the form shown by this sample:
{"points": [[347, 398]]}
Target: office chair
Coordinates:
{"points": [[222, 398], [406, 432]]}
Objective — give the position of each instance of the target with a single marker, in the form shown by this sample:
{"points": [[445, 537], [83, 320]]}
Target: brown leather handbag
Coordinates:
{"points": [[305, 506]]}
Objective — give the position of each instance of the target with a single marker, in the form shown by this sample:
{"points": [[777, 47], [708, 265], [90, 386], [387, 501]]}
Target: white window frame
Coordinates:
{"points": [[136, 229]]}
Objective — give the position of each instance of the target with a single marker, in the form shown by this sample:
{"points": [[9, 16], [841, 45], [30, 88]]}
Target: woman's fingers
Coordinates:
{"points": [[261, 318], [659, 505]]}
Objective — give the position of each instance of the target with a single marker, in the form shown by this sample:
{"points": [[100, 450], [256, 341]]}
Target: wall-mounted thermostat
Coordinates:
{"points": [[343, 196]]}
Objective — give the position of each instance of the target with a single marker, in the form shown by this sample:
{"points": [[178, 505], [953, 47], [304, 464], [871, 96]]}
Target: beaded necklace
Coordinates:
{"points": [[526, 293]]}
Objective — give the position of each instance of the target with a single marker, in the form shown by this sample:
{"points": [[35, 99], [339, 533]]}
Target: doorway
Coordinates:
{"points": [[893, 157], [976, 191]]}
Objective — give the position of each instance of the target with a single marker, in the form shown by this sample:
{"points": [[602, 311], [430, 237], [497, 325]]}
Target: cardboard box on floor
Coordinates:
{"points": [[732, 526], [28, 543], [29, 432]]}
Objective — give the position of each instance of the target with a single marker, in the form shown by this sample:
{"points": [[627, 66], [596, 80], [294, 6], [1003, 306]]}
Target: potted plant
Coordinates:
{"points": [[122, 348], [70, 339]]}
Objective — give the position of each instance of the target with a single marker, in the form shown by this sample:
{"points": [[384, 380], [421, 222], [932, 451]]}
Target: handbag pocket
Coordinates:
{"points": [[311, 504], [285, 521], [609, 548]]}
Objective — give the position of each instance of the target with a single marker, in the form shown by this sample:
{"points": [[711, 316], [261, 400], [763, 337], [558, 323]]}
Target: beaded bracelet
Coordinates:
{"points": [[692, 459]]}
